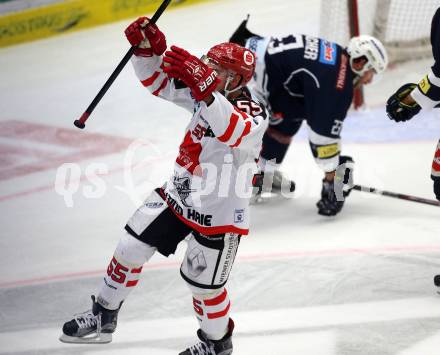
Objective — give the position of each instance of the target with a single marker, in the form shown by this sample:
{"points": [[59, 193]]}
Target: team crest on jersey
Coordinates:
{"points": [[328, 52], [182, 186]]}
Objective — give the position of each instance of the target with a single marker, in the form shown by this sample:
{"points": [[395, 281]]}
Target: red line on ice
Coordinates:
{"points": [[244, 258]]}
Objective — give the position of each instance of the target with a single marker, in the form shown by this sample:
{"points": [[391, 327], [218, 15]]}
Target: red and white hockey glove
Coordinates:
{"points": [[147, 37], [201, 79]]}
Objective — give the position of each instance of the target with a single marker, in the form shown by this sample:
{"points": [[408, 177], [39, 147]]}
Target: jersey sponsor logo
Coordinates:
{"points": [[200, 218], [342, 73], [154, 204], [232, 245], [424, 85], [239, 216], [327, 151], [173, 204], [327, 53], [311, 49]]}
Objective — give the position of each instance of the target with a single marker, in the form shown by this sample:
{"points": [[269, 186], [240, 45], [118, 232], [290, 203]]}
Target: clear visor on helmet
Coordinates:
{"points": [[210, 62], [226, 74], [215, 65]]}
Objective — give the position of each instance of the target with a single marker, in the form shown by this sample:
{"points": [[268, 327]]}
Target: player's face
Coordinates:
{"points": [[222, 73], [367, 77]]}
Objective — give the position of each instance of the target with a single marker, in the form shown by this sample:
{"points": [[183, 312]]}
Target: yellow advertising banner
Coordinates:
{"points": [[73, 15]]}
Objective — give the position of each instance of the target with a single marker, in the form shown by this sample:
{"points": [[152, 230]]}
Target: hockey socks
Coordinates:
{"points": [[124, 271], [212, 312]]}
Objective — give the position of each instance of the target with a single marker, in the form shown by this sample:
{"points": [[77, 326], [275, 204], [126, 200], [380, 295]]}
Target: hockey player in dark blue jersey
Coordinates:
{"points": [[409, 99], [304, 78]]}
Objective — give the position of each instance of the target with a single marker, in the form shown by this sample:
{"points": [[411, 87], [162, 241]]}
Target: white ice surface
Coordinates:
{"points": [[360, 283]]}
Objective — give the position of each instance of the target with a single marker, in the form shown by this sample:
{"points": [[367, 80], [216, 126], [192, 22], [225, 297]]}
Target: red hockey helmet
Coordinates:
{"points": [[235, 58]]}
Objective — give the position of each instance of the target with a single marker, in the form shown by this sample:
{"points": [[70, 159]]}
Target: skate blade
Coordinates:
{"points": [[104, 338], [267, 197]]}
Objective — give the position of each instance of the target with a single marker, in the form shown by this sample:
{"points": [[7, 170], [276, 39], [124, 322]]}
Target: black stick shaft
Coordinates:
{"points": [[397, 195], [82, 120]]}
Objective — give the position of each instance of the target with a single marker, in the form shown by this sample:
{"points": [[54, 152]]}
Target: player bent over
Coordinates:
{"points": [[304, 78], [411, 98], [225, 134]]}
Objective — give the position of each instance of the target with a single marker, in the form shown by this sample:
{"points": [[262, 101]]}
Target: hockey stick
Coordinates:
{"points": [[82, 120], [397, 195]]}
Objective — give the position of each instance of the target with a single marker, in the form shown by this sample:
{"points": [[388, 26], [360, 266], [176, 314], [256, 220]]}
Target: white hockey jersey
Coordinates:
{"points": [[212, 180]]}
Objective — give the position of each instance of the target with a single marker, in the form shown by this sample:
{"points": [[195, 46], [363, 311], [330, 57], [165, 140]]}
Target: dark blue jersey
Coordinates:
{"points": [[305, 77]]}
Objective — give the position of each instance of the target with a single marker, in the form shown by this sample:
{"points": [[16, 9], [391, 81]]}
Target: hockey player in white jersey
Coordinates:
{"points": [[205, 201], [409, 99]]}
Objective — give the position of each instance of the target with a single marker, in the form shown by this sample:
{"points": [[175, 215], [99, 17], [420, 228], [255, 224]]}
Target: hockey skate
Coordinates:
{"points": [[212, 347], [268, 186], [93, 326]]}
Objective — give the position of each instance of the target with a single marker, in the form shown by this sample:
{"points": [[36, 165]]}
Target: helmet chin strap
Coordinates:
{"points": [[356, 80], [228, 81]]}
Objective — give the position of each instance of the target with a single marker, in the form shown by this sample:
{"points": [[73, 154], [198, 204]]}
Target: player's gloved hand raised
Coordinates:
{"points": [[201, 79], [147, 37], [399, 111], [334, 192]]}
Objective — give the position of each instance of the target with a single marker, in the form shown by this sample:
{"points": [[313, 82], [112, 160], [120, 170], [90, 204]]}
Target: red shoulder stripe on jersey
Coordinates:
{"points": [[242, 113], [161, 87], [228, 133], [220, 314], [246, 131], [216, 300], [149, 81], [132, 283]]}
